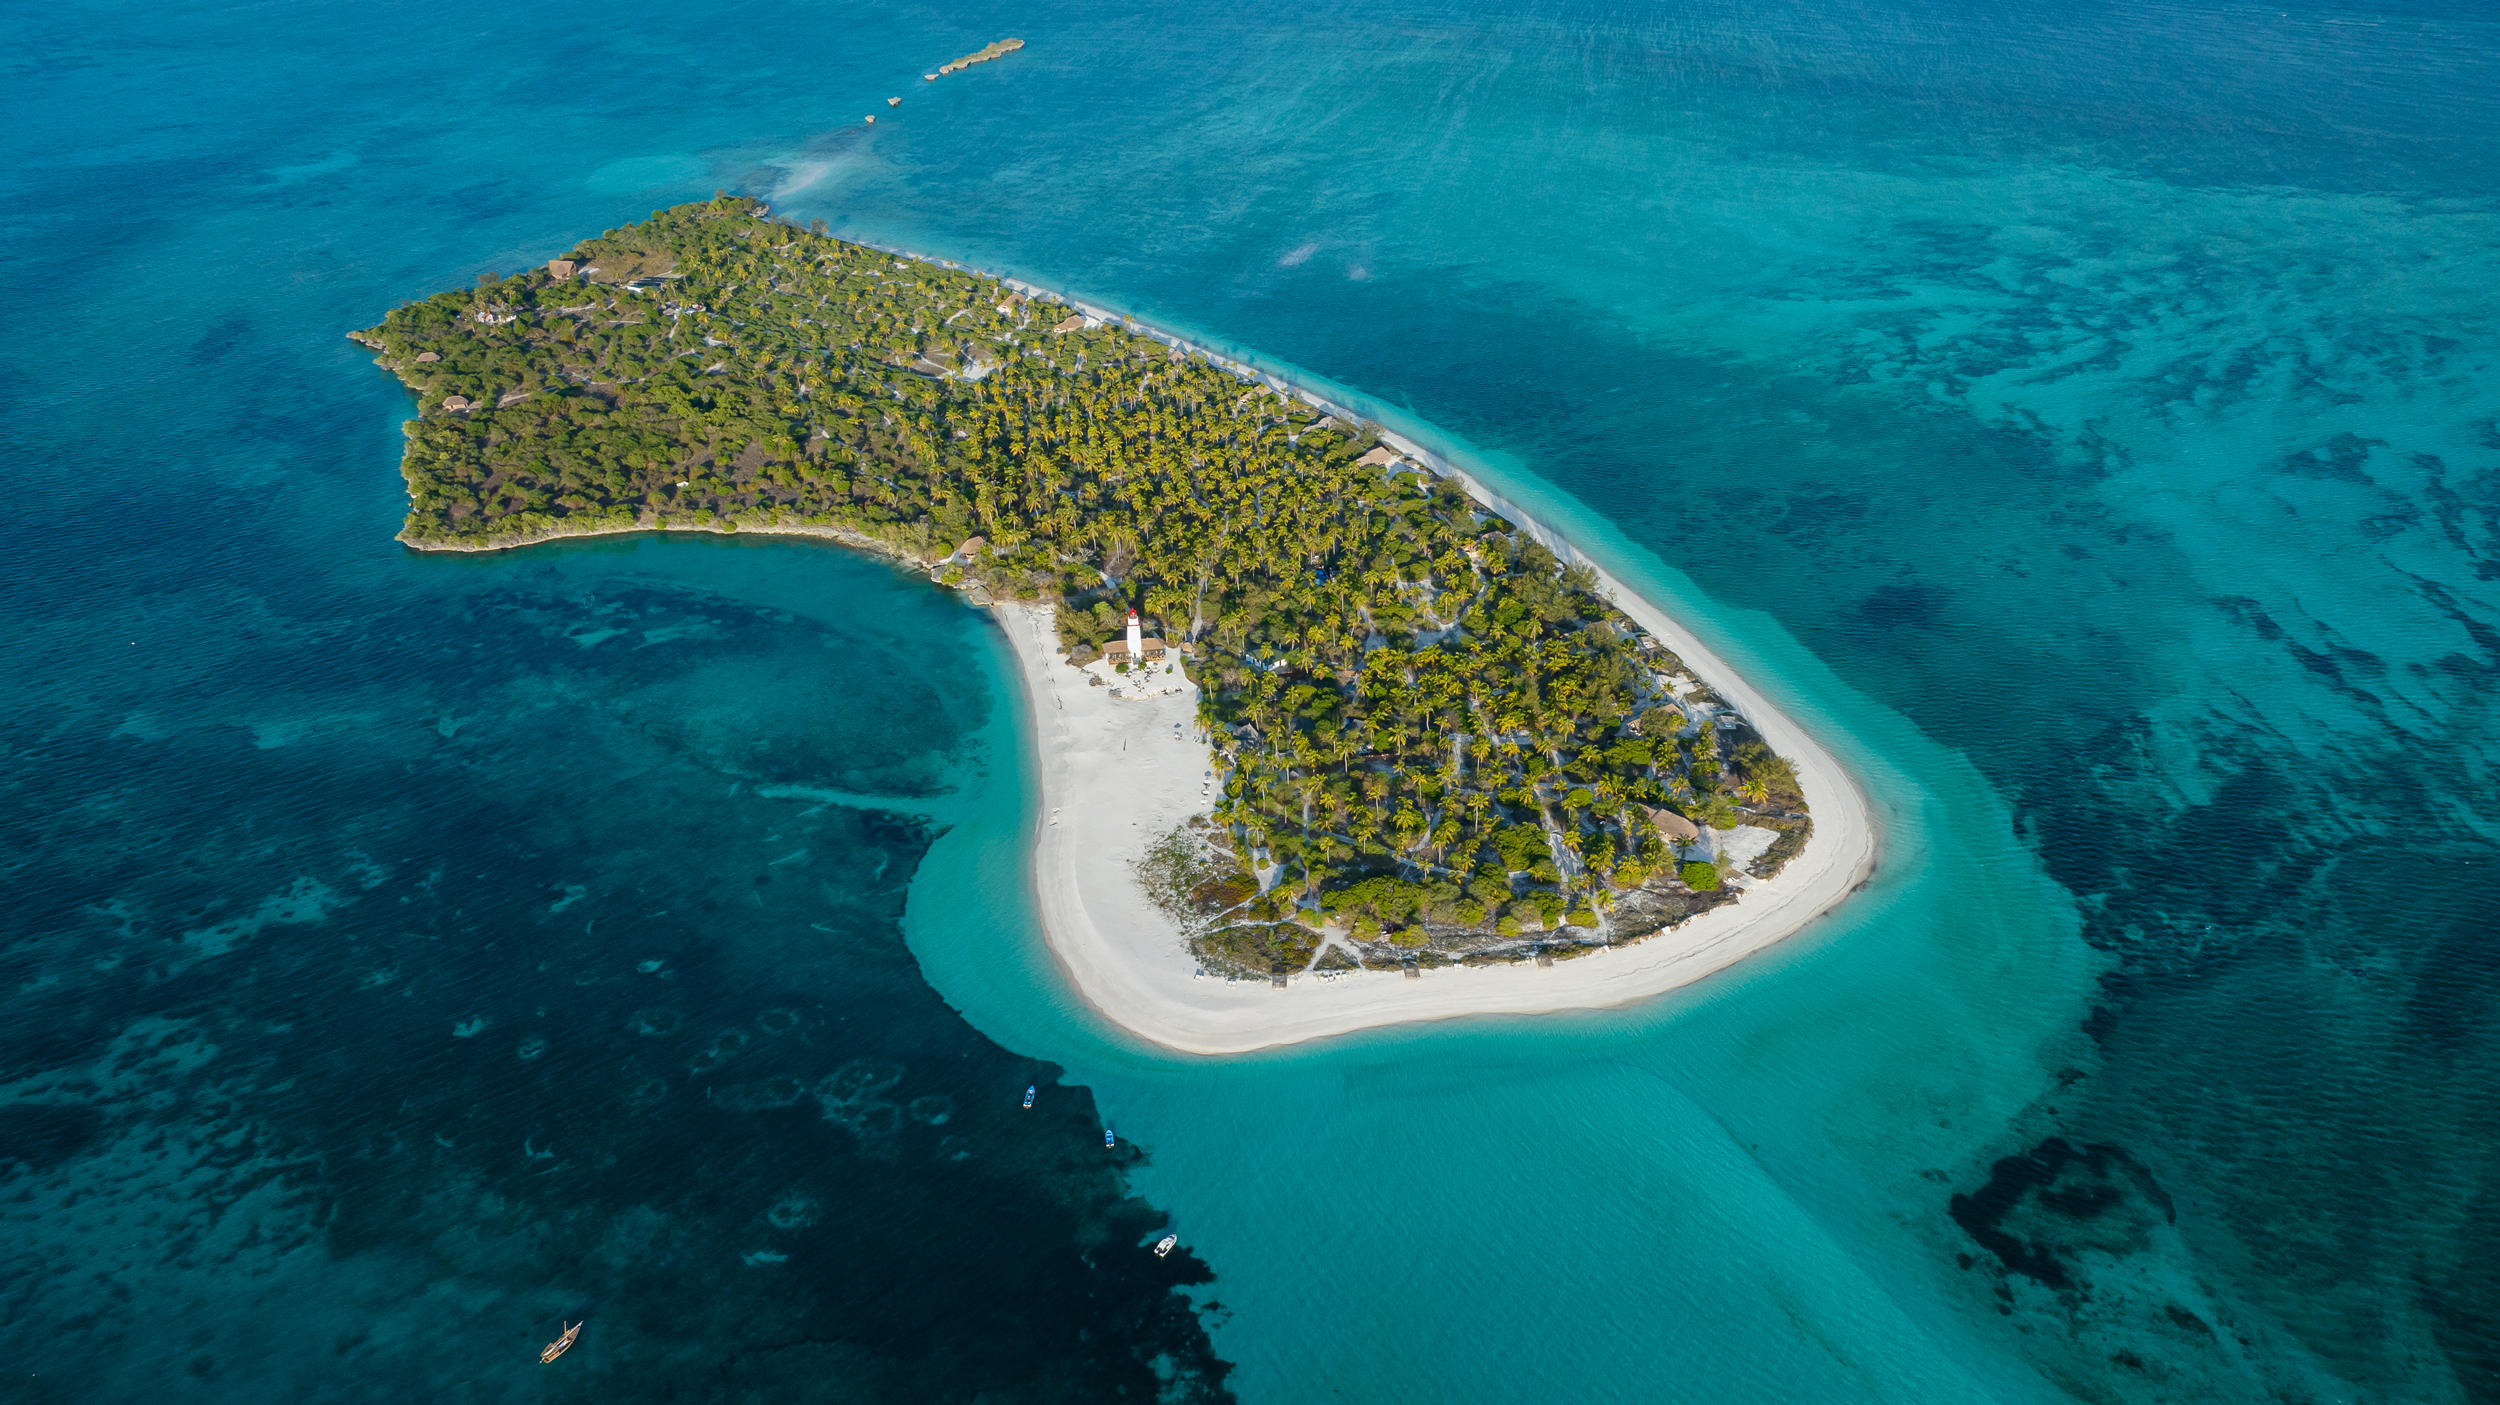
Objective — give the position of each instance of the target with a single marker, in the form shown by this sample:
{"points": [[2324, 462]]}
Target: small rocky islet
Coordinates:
{"points": [[984, 54]]}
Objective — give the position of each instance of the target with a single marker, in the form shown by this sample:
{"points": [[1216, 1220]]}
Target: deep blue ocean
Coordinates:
{"points": [[2084, 415]]}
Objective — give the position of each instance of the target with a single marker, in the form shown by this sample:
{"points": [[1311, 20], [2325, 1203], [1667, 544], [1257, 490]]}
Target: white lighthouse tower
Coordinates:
{"points": [[1136, 641]]}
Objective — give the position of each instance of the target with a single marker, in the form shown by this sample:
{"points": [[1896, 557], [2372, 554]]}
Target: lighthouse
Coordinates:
{"points": [[1136, 650]]}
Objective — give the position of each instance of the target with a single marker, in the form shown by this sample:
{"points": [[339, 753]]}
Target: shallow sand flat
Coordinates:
{"points": [[1115, 776]]}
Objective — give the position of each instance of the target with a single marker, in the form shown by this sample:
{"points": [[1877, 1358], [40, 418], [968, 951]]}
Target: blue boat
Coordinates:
{"points": [[1107, 1138], [1028, 1094]]}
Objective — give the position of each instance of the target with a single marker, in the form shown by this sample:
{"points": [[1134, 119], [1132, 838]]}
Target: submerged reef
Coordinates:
{"points": [[382, 1051]]}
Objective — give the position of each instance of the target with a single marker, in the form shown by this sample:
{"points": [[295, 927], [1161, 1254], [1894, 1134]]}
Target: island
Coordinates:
{"points": [[1313, 709], [984, 54]]}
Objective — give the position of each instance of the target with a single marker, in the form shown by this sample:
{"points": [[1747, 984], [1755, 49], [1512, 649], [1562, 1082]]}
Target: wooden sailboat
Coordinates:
{"points": [[561, 1344]]}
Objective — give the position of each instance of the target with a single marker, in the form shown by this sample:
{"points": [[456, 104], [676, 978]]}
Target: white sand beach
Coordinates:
{"points": [[1121, 768]]}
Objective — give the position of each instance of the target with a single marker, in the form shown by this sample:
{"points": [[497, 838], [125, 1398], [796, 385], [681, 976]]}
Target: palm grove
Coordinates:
{"points": [[1433, 734]]}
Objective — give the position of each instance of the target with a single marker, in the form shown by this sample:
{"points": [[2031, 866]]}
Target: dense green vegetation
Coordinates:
{"points": [[1434, 734]]}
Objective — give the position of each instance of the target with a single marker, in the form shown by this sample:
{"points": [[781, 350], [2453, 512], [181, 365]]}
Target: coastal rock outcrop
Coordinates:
{"points": [[983, 54]]}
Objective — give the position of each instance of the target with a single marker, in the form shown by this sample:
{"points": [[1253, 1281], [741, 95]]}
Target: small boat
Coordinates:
{"points": [[1164, 1245], [1028, 1094], [872, 119], [1107, 1138], [561, 1344], [894, 102]]}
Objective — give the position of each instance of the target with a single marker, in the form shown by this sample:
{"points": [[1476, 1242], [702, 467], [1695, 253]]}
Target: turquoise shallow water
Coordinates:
{"points": [[2083, 415], [1584, 1196]]}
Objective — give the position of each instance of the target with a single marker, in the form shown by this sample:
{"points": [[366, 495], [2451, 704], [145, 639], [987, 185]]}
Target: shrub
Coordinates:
{"points": [[1520, 845], [1391, 900], [1409, 937], [1701, 877], [1507, 926], [1759, 763]]}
